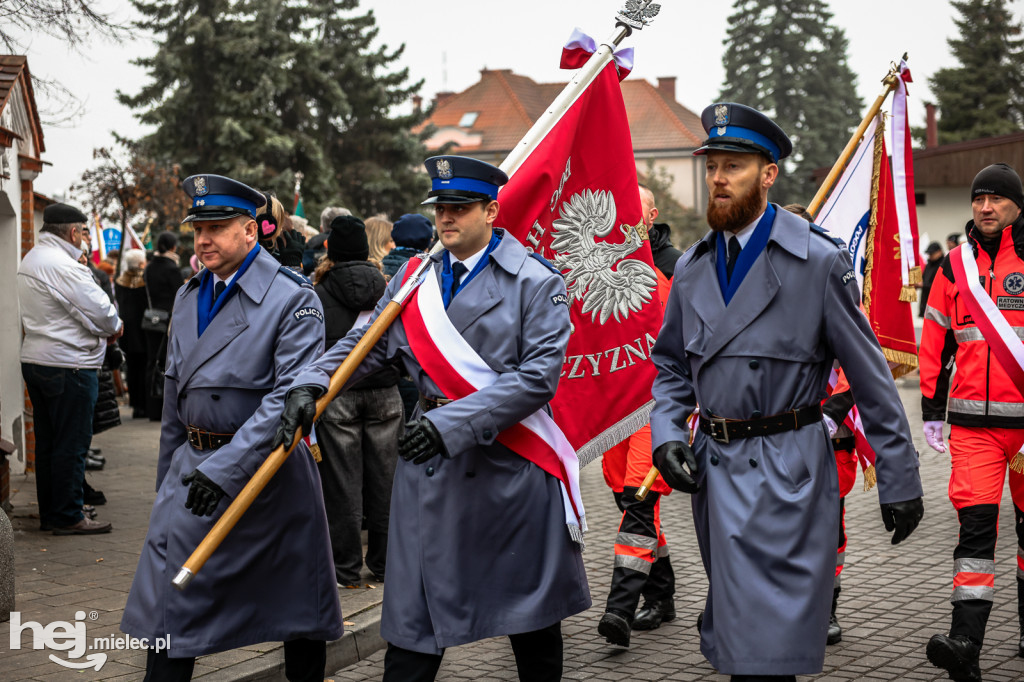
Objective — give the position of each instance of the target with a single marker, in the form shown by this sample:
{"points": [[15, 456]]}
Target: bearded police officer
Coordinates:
{"points": [[478, 544], [758, 311], [242, 329]]}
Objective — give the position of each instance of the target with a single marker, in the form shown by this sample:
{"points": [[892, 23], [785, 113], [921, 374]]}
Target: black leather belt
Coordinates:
{"points": [[428, 404], [204, 440], [724, 430], [844, 443]]}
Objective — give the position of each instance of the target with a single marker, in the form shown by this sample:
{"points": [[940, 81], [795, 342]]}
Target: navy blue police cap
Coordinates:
{"points": [[215, 197], [462, 180], [736, 127]]}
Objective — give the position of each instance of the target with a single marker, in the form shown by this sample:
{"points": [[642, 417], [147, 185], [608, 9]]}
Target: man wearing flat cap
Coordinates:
{"points": [[979, 325], [481, 542], [759, 310], [242, 328], [68, 321]]}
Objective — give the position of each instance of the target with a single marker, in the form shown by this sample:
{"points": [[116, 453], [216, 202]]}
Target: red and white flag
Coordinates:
{"points": [[903, 187], [575, 201]]}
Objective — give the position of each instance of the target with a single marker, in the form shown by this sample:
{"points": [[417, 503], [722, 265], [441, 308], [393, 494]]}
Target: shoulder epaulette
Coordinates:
{"points": [[296, 277], [817, 229], [545, 262]]}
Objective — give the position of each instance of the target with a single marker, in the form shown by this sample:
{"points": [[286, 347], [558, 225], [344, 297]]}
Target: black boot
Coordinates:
{"points": [[835, 631], [653, 614], [615, 627], [700, 621], [957, 655], [1020, 616]]}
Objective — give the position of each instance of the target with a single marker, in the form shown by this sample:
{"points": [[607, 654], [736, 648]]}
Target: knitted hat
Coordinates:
{"points": [[412, 230], [347, 240], [1001, 180]]}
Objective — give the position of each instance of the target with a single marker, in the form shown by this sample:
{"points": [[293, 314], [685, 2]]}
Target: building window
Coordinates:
{"points": [[920, 198], [468, 119]]}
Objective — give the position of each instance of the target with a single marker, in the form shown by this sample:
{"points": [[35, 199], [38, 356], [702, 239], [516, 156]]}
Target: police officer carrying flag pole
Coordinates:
{"points": [[481, 543], [758, 311], [242, 330]]}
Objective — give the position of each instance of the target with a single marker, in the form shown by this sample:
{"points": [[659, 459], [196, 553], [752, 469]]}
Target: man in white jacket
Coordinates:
{"points": [[68, 322]]}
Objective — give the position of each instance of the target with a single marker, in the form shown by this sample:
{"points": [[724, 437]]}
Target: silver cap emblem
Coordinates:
{"points": [[201, 188], [721, 115], [444, 169]]}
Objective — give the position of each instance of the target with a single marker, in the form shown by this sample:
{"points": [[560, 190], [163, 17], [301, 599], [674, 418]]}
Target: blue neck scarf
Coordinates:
{"points": [[447, 278], [755, 245], [207, 308]]}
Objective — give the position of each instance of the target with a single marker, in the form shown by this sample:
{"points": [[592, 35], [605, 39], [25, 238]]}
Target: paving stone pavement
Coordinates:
{"points": [[55, 577], [893, 599]]}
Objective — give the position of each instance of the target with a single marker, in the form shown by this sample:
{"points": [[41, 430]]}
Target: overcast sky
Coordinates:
{"points": [[448, 43]]}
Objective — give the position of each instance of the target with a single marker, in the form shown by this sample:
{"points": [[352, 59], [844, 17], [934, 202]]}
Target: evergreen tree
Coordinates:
{"points": [[984, 96], [786, 59], [260, 89]]}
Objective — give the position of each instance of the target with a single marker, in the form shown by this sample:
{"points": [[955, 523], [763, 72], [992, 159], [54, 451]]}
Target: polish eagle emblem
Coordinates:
{"points": [[638, 13], [597, 272]]}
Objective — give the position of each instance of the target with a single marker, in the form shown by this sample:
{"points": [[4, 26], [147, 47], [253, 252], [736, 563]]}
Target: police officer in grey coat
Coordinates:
{"points": [[758, 311], [478, 545], [242, 330]]}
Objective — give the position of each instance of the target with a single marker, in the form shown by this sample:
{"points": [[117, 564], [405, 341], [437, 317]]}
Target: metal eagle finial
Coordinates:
{"points": [[638, 13]]}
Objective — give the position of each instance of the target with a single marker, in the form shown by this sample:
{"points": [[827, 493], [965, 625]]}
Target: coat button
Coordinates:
{"points": [[754, 364], [756, 414], [430, 470], [487, 434], [714, 460], [470, 474], [753, 463], [215, 396]]}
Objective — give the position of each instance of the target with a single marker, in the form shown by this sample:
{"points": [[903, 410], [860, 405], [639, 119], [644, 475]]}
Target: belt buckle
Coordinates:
{"points": [[720, 422], [195, 438]]}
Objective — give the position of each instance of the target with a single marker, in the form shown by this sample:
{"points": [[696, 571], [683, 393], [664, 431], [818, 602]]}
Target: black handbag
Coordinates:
{"points": [[154, 319]]}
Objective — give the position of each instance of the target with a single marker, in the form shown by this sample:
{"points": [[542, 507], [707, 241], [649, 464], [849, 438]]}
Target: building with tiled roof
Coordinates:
{"points": [[21, 145], [490, 117]]}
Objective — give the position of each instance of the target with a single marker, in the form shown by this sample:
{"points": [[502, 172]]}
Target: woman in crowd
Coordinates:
{"points": [[378, 234], [130, 291], [162, 278]]}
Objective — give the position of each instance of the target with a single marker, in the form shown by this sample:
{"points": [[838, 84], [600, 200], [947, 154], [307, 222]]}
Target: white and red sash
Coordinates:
{"points": [[459, 370], [1005, 344]]}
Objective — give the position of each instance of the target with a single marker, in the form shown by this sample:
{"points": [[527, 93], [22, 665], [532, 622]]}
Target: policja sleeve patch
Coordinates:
{"points": [[560, 299], [849, 277], [309, 312]]}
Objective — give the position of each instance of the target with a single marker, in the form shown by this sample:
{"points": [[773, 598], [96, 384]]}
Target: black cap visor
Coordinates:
{"points": [[732, 144], [455, 196], [199, 213]]}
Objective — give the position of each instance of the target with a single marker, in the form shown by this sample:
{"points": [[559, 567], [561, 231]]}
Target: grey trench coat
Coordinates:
{"points": [[478, 545], [272, 579], [767, 515]]}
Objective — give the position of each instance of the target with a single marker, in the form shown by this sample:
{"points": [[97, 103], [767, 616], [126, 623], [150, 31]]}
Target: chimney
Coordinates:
{"points": [[667, 85], [417, 103], [442, 97], [931, 128]]}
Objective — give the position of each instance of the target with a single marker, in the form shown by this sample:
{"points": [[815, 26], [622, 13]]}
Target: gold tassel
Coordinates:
{"points": [[908, 294], [870, 478], [914, 275], [1017, 463], [901, 357], [314, 450]]}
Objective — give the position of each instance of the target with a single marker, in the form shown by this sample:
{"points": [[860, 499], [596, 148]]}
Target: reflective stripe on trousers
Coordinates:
{"points": [[636, 552], [974, 579]]}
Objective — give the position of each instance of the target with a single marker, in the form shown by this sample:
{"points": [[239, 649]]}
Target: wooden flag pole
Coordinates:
{"points": [[890, 81], [626, 21]]}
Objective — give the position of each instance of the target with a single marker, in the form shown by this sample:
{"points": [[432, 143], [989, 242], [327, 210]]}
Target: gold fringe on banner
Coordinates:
{"points": [[908, 294], [869, 252], [1017, 463], [914, 275], [870, 478], [314, 449]]}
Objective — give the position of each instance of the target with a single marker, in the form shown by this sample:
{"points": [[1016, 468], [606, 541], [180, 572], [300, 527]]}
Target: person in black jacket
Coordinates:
{"points": [[130, 292], [163, 279], [359, 431]]}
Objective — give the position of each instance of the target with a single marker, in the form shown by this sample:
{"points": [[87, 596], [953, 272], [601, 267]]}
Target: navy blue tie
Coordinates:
{"points": [[458, 270], [734, 254], [218, 289]]}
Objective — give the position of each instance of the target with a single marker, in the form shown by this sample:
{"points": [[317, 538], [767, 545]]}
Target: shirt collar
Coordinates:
{"points": [[743, 236], [470, 262]]}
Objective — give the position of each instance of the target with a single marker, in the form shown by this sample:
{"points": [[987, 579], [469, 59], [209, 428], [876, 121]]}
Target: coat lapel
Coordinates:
{"points": [[700, 282], [479, 296], [229, 323]]}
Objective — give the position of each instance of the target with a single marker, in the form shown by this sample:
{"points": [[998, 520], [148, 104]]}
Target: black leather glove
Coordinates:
{"points": [[203, 495], [299, 410], [670, 459], [420, 442], [902, 517]]}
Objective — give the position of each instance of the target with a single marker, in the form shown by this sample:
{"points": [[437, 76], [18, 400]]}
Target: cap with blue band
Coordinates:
{"points": [[739, 128], [215, 197], [462, 180]]}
